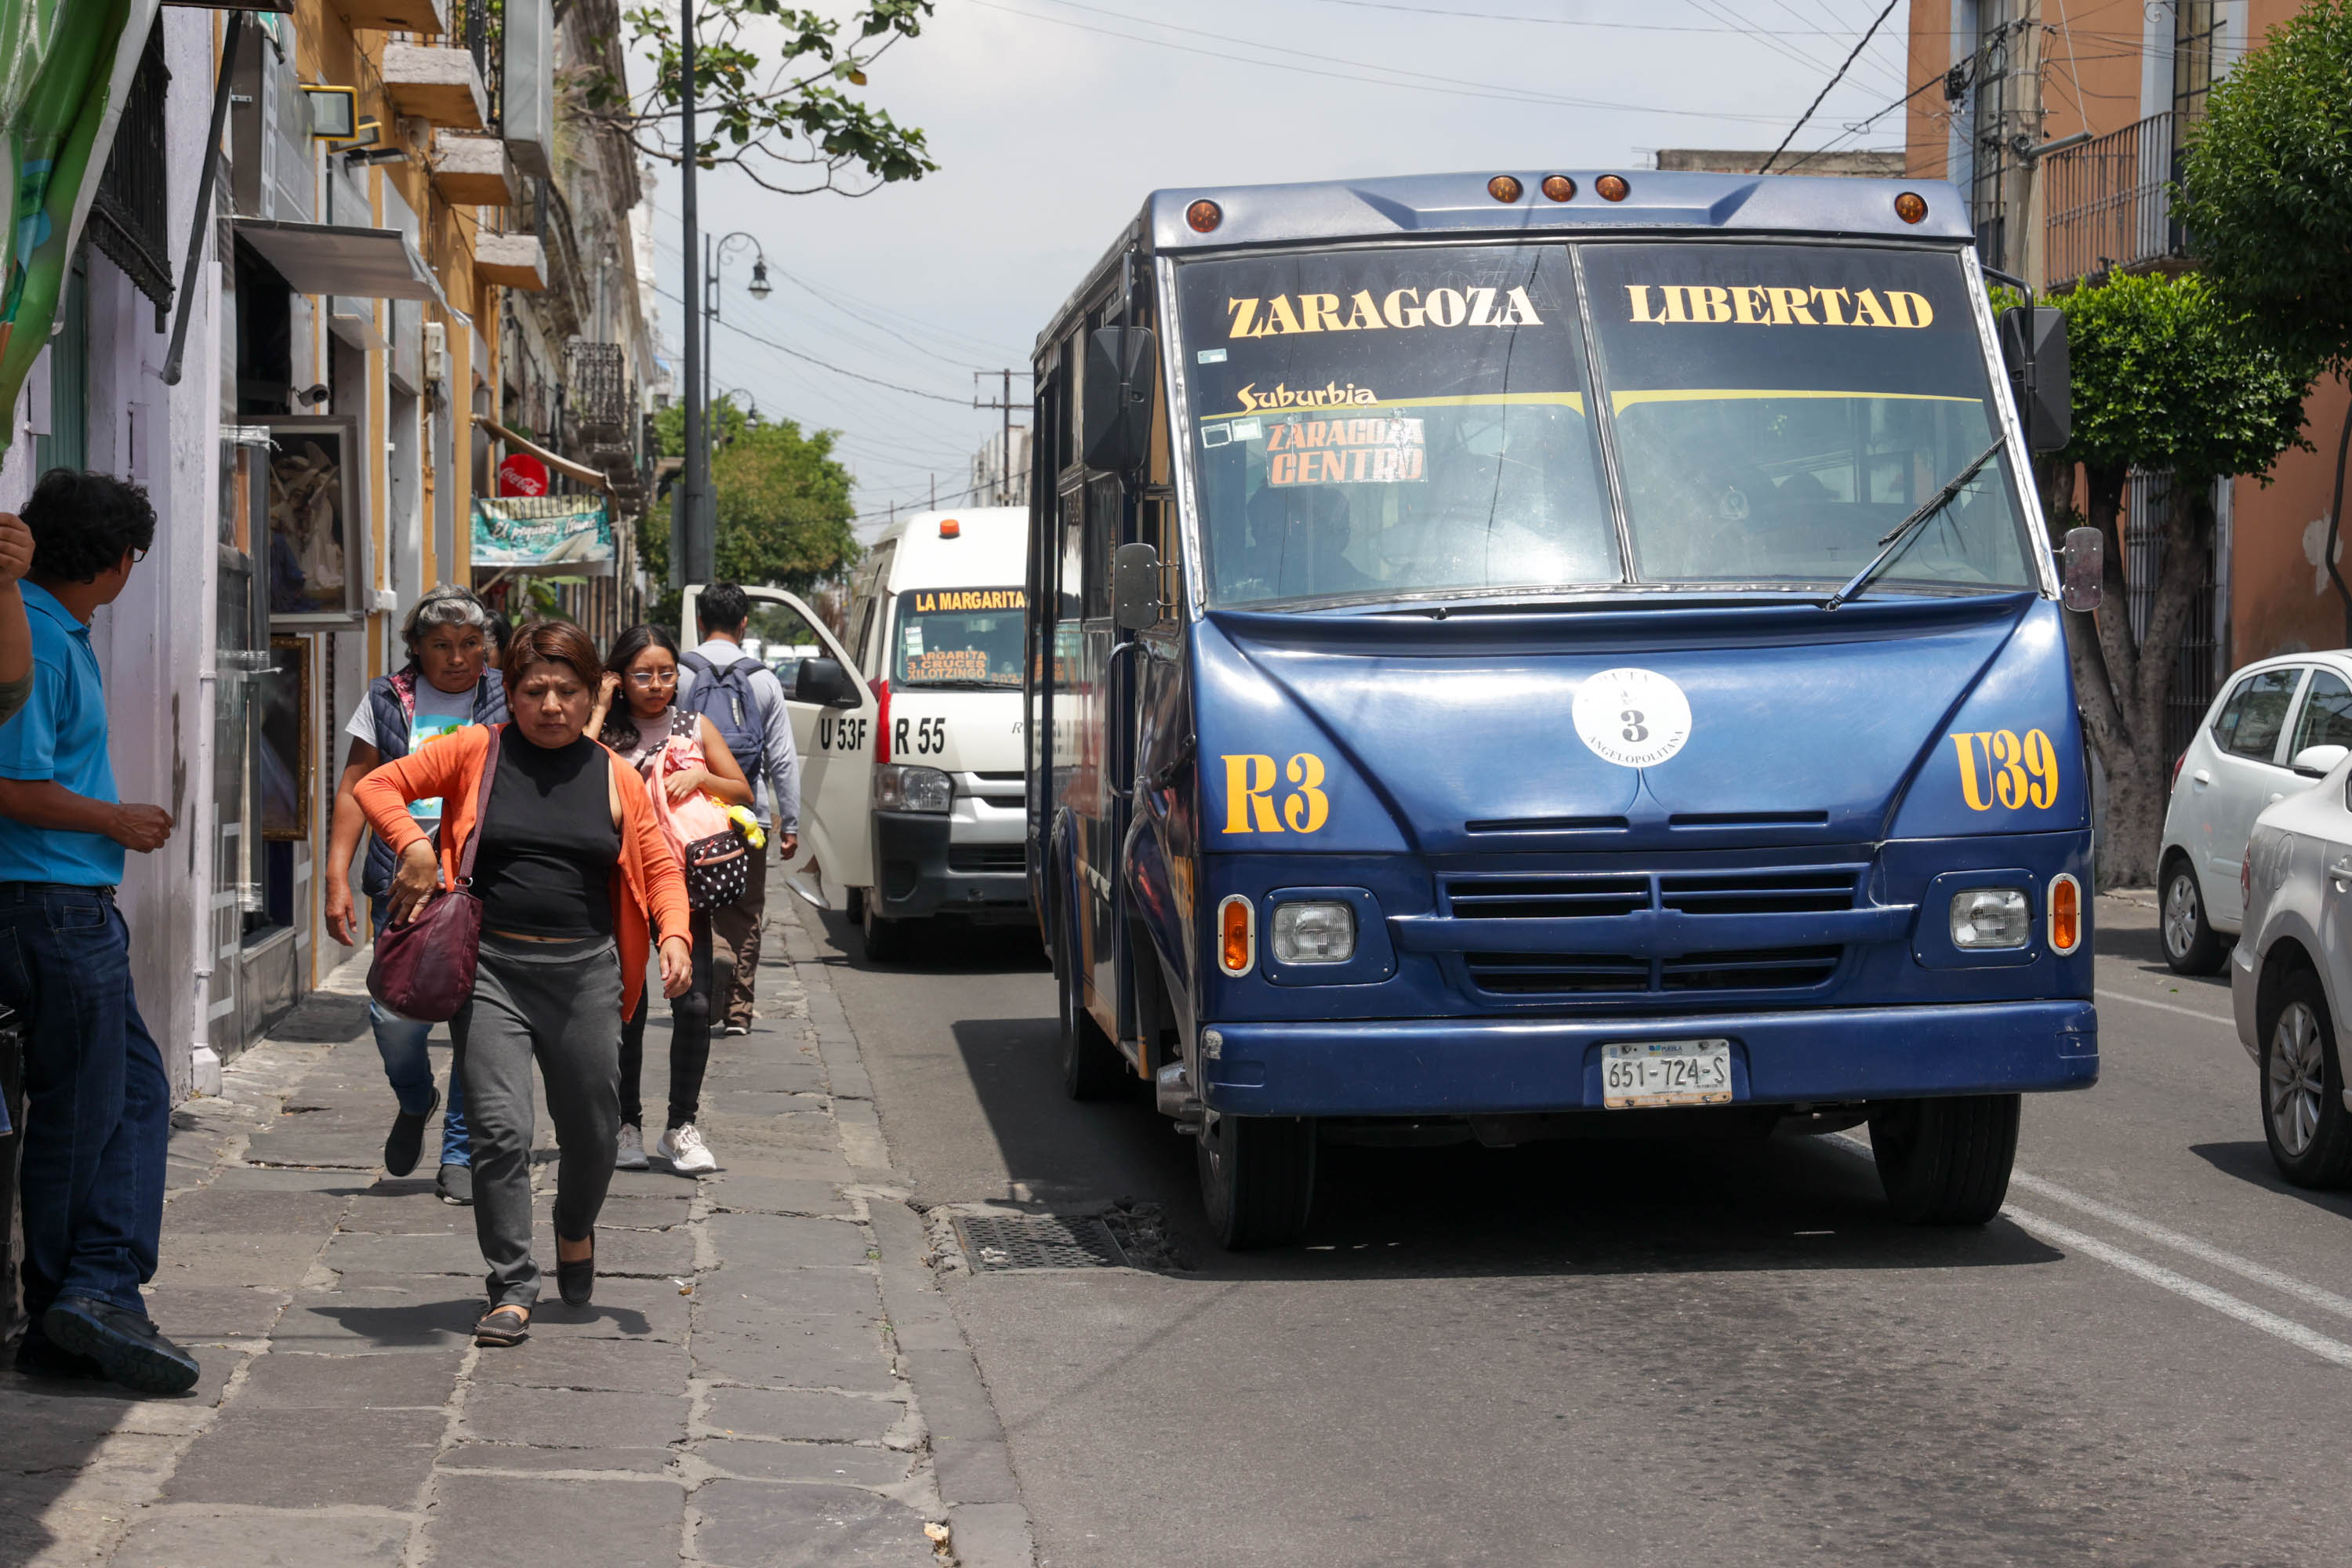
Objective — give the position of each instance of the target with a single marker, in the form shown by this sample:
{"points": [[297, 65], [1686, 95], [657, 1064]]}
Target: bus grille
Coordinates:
{"points": [[1559, 973], [986, 858]]}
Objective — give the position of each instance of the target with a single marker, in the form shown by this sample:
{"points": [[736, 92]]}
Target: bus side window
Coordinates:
{"points": [[1071, 572], [863, 645], [1102, 534]]}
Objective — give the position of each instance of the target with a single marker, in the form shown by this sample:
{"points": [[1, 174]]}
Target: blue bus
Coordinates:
{"points": [[1612, 677]]}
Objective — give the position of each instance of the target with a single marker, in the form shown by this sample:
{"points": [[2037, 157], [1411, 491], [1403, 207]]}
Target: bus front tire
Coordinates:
{"points": [[1946, 1161], [1257, 1179], [1092, 1067], [886, 941]]}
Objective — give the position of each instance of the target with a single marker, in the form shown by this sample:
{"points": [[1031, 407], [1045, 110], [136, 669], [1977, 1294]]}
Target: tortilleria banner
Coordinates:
{"points": [[524, 533]]}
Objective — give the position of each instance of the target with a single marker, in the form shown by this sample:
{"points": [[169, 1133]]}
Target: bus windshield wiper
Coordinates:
{"points": [[1894, 541]]}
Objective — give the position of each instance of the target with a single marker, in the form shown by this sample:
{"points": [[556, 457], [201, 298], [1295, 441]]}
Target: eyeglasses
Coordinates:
{"points": [[137, 555], [646, 680]]}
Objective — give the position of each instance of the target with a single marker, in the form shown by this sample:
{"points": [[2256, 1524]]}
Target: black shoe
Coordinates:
{"points": [[126, 1346], [577, 1281], [406, 1141], [457, 1184], [38, 1358]]}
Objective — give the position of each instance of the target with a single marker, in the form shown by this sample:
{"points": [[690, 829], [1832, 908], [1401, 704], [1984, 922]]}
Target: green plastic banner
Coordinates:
{"points": [[543, 533], [65, 69]]}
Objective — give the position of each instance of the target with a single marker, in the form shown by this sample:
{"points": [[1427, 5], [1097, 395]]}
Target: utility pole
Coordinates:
{"points": [[2023, 198], [1004, 453], [700, 562]]}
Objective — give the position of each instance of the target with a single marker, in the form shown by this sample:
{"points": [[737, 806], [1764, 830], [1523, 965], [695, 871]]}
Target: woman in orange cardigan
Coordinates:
{"points": [[571, 868]]}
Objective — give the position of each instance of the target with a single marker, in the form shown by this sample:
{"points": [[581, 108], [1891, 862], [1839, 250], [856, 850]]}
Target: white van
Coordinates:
{"points": [[910, 735]]}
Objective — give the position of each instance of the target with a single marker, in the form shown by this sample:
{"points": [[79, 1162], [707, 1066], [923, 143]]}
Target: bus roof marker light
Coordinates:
{"points": [[1613, 187], [1205, 216], [1503, 188], [949, 527], [1911, 207], [1559, 188]]}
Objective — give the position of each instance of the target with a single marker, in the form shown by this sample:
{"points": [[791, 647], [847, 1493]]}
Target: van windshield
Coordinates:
{"points": [[1372, 424], [968, 637]]}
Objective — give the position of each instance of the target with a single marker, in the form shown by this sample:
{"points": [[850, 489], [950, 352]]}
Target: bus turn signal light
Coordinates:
{"points": [[1203, 215], [1236, 935], [2065, 914], [1613, 187], [1559, 188], [1911, 207], [1503, 188]]}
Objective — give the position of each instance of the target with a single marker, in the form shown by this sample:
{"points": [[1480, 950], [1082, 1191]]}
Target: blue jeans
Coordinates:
{"points": [[401, 1042], [97, 1113]]}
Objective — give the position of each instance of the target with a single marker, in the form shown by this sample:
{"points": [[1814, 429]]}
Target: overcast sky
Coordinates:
{"points": [[1051, 120]]}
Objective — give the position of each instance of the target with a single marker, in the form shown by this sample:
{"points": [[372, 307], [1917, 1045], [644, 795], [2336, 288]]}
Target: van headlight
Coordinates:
{"points": [[1314, 933], [898, 787], [1990, 917]]}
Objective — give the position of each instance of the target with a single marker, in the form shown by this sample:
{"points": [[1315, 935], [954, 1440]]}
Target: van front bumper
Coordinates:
{"points": [[1460, 1067], [914, 879]]}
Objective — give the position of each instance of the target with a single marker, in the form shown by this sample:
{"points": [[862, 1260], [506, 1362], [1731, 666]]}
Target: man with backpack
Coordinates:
{"points": [[745, 703]]}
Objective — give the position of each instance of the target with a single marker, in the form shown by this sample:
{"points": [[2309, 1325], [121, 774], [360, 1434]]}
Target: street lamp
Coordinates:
{"points": [[760, 289], [714, 253]]}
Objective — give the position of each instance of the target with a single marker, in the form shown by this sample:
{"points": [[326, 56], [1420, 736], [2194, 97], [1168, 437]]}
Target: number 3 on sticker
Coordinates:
{"points": [[1996, 767], [1249, 795]]}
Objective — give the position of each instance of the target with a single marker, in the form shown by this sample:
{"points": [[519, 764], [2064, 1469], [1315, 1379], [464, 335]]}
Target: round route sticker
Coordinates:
{"points": [[1635, 718]]}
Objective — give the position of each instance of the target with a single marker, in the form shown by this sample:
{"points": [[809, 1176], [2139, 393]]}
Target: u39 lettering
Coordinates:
{"points": [[1997, 767]]}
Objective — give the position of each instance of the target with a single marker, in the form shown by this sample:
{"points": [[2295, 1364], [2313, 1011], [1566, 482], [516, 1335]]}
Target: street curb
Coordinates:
{"points": [[972, 1465]]}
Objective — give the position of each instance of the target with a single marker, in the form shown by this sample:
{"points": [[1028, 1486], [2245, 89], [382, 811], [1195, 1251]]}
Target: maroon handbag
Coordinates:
{"points": [[424, 969]]}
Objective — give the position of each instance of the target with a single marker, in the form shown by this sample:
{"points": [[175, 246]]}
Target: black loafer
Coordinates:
{"points": [[126, 1346], [406, 1141], [577, 1281], [455, 1184]]}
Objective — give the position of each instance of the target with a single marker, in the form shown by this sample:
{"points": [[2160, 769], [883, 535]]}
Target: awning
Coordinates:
{"points": [[562, 465], [333, 259]]}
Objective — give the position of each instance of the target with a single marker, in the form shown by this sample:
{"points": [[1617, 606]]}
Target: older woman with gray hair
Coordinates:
{"points": [[449, 682]]}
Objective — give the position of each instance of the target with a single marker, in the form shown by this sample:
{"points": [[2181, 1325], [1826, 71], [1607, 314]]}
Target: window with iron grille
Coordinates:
{"points": [[595, 387], [130, 209]]}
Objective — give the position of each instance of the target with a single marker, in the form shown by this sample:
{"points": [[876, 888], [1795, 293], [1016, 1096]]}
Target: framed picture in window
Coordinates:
{"points": [[318, 531], [281, 709]]}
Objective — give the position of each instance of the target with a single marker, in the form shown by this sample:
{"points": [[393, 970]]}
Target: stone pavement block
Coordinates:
{"points": [[574, 1418], [413, 1252], [747, 1242], [194, 1536], [658, 1181], [271, 1179], [237, 1260], [991, 1535], [286, 1381], [840, 1464], [809, 1416], [746, 1299], [209, 1211], [799, 1353], [972, 1471], [516, 1456], [731, 1137], [626, 1309], [627, 1366], [308, 1458], [773, 1195], [417, 1212], [200, 1314], [755, 1525], [355, 1322], [664, 1254], [615, 1523], [323, 1150], [762, 1104], [630, 1211], [777, 1075]]}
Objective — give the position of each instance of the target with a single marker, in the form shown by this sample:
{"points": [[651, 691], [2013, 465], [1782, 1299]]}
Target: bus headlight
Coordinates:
{"points": [[1990, 917], [900, 787], [1314, 933]]}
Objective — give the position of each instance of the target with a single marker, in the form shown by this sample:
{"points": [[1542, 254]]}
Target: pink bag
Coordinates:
{"points": [[709, 847]]}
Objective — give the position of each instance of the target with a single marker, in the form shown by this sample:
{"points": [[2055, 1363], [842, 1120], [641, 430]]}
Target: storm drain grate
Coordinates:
{"points": [[1037, 1241]]}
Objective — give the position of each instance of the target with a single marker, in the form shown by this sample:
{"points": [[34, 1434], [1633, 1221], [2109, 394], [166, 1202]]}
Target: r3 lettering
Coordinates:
{"points": [[1251, 781], [1999, 768]]}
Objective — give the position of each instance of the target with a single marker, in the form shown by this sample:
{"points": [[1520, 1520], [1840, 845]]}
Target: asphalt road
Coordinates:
{"points": [[1636, 1353]]}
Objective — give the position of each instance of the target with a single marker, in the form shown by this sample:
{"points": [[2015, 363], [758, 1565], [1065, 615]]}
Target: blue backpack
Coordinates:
{"points": [[724, 696]]}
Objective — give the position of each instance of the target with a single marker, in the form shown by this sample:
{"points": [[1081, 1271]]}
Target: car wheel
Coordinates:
{"points": [[1946, 1161], [886, 941], [2304, 1119], [854, 906], [2191, 945], [1257, 1179], [1092, 1067]]}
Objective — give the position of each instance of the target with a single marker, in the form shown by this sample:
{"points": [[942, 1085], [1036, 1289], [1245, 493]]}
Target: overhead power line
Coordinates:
{"points": [[1566, 21], [1800, 125], [822, 364]]}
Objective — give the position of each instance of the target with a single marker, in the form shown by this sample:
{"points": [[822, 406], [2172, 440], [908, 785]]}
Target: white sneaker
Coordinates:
{"points": [[631, 1154], [687, 1154]]}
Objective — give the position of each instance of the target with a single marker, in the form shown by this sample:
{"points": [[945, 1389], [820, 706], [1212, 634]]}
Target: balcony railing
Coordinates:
{"points": [[595, 382], [2110, 203]]}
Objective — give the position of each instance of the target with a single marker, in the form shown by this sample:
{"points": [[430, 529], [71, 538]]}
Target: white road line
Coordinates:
{"points": [[2107, 996], [2164, 1236], [2221, 1301]]}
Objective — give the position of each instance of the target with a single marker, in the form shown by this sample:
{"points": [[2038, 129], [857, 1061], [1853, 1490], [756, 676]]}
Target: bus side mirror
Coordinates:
{"points": [[2083, 569], [1114, 418], [1134, 587], [2045, 398], [824, 682]]}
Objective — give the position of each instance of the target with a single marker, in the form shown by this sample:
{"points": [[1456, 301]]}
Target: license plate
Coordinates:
{"points": [[1665, 1072]]}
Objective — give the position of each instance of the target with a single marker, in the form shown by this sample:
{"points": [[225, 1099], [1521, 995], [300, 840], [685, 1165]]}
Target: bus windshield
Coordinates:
{"points": [[1427, 421], [957, 637]]}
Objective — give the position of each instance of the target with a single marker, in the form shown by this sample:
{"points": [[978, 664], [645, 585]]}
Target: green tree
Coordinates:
{"points": [[784, 514], [2267, 197], [765, 117], [2166, 376]]}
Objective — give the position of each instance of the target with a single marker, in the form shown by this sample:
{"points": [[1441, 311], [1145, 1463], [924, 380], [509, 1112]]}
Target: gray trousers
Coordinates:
{"points": [[560, 1001]]}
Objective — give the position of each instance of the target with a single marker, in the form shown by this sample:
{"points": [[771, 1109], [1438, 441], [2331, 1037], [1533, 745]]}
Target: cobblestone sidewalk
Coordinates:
{"points": [[768, 1374]]}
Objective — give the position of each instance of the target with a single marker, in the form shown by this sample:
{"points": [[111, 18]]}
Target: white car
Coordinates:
{"points": [[2278, 726], [2291, 972]]}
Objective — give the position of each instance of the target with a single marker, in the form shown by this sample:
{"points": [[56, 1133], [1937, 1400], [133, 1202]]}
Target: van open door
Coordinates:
{"points": [[836, 740]]}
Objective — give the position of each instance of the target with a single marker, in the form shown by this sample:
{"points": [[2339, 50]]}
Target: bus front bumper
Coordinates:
{"points": [[1460, 1067], [916, 876]]}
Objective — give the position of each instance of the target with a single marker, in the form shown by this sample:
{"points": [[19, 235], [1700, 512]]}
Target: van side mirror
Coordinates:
{"points": [[1115, 415], [2037, 338], [2318, 762], [2083, 569], [1134, 587], [824, 682]]}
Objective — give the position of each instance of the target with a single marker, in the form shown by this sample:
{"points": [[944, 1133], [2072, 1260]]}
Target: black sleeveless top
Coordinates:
{"points": [[549, 846]]}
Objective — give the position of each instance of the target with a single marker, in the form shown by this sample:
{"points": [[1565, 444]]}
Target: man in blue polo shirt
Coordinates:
{"points": [[99, 1104]]}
